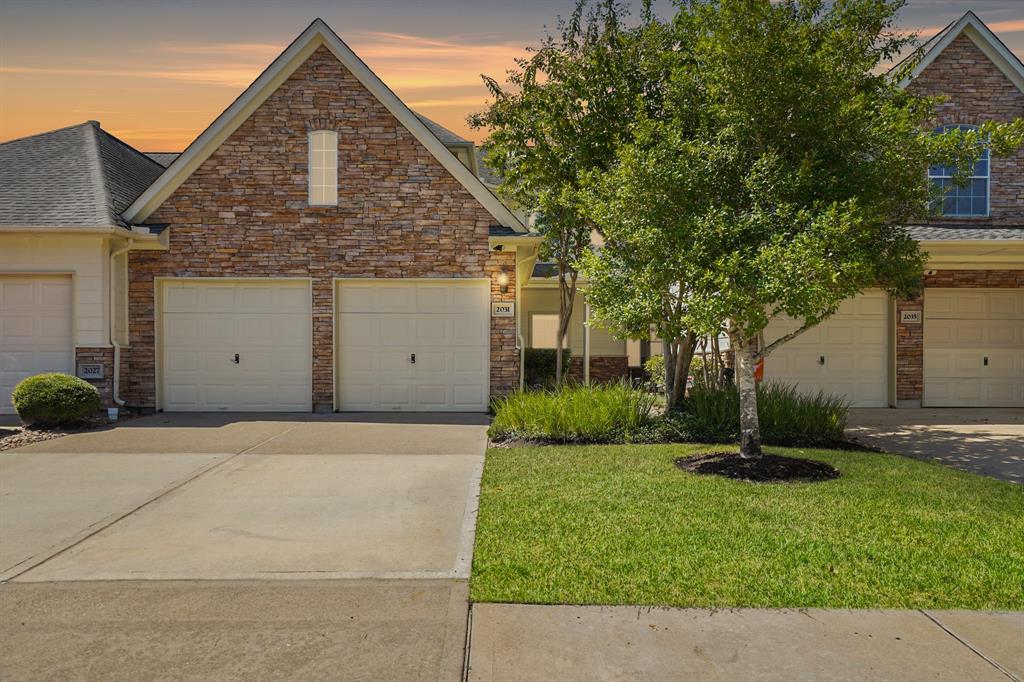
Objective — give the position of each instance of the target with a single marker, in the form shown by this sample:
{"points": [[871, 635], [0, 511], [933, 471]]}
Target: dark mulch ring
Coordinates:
{"points": [[767, 469]]}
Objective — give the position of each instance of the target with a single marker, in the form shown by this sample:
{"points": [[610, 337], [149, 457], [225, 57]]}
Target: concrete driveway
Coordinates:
{"points": [[987, 441], [227, 546]]}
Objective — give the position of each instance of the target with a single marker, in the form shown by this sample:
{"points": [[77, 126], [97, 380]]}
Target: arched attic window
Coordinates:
{"points": [[970, 200], [323, 168]]}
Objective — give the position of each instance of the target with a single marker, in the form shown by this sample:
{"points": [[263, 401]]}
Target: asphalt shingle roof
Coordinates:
{"points": [[165, 159], [961, 232], [487, 174], [446, 136], [80, 176]]}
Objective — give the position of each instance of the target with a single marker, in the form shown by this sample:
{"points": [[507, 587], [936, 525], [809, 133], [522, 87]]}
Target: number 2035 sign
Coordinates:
{"points": [[503, 309]]}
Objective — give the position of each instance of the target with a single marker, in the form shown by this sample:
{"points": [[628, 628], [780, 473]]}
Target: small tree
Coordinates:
{"points": [[777, 179], [558, 118]]}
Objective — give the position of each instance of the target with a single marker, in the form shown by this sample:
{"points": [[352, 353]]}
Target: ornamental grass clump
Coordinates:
{"points": [[575, 413], [787, 416]]}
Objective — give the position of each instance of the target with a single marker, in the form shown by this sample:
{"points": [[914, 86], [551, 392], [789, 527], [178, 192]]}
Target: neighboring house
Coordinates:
{"points": [[962, 342], [318, 247]]}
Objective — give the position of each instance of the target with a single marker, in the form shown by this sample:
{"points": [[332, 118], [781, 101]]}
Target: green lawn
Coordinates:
{"points": [[622, 525]]}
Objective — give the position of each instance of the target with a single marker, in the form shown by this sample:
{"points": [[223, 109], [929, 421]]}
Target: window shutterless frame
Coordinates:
{"points": [[971, 200], [323, 168]]}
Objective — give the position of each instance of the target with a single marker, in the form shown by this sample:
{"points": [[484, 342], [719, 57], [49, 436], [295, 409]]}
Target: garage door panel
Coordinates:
{"points": [[845, 355], [207, 323], [35, 330], [381, 324], [963, 328]]}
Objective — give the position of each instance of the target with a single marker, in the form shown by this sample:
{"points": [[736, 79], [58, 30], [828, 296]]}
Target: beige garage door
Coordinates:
{"points": [[236, 346], [847, 355], [413, 345], [35, 330], [973, 348]]}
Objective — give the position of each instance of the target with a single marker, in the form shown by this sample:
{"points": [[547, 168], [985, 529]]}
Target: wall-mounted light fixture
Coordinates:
{"points": [[503, 282]]}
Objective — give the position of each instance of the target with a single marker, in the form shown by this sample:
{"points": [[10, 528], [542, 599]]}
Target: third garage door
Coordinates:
{"points": [[974, 348], [846, 355], [415, 345]]}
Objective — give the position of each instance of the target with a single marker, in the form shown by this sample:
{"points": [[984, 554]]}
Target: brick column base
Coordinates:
{"points": [[105, 357], [603, 368]]}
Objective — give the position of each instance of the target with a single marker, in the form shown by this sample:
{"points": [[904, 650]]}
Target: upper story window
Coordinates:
{"points": [[323, 168], [970, 200]]}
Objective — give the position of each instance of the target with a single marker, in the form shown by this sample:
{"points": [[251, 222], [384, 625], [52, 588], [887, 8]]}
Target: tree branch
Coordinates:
{"points": [[788, 337]]}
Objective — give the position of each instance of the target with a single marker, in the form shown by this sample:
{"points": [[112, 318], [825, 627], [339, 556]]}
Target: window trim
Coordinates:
{"points": [[568, 333], [332, 134], [987, 177]]}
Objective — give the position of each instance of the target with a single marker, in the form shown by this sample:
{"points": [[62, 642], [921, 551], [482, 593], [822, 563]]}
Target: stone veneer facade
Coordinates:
{"points": [[103, 356], [910, 337], [244, 213], [976, 91], [603, 368]]}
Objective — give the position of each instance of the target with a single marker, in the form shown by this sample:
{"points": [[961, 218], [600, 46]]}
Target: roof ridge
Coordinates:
{"points": [[105, 200], [127, 146], [48, 132]]}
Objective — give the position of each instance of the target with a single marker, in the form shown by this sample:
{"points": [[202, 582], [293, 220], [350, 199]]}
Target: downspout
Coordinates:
{"points": [[115, 392], [586, 342], [520, 342]]}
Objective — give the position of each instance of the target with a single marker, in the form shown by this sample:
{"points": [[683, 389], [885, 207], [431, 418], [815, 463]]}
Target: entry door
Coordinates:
{"points": [[973, 348], [846, 355], [35, 330], [413, 345], [236, 346]]}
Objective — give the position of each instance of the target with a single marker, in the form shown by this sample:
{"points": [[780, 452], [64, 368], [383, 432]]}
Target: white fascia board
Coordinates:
{"points": [[982, 36], [317, 34]]}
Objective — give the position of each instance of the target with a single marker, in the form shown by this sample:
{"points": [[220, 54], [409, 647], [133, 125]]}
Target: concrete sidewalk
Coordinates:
{"points": [[530, 642]]}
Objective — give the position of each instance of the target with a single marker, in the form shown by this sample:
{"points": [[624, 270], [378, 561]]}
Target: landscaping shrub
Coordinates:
{"points": [[787, 417], [655, 368], [539, 366], [55, 400], [605, 413]]}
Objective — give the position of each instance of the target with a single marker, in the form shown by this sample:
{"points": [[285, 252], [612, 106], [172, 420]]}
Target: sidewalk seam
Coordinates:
{"points": [[469, 642], [967, 644]]}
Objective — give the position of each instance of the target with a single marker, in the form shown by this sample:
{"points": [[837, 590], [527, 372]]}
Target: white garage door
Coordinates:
{"points": [[413, 345], [241, 346], [35, 330], [847, 355], [973, 348]]}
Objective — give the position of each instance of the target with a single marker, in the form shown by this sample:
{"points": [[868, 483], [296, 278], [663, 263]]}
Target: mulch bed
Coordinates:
{"points": [[767, 469]]}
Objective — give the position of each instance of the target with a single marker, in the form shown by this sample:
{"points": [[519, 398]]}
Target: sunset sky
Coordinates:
{"points": [[157, 73]]}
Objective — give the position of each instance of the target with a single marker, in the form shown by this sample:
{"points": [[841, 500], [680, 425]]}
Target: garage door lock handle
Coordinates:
{"points": [[236, 359], [986, 361], [412, 358]]}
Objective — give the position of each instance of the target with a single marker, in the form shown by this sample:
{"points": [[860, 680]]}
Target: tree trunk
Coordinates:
{"points": [[747, 356], [677, 369], [566, 299]]}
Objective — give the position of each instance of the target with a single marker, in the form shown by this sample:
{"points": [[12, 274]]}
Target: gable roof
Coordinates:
{"points": [[163, 158], [80, 176], [981, 35], [446, 136], [316, 34]]}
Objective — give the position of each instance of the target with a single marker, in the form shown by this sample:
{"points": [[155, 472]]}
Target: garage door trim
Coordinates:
{"points": [[338, 282], [158, 316]]}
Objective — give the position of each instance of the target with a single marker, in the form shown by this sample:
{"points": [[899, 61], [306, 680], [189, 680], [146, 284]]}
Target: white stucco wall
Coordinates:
{"points": [[85, 257]]}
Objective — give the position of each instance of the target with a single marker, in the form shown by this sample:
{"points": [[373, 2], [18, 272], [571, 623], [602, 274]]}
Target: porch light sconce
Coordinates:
{"points": [[503, 282]]}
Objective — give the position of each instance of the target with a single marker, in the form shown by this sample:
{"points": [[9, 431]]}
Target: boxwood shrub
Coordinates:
{"points": [[55, 400]]}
